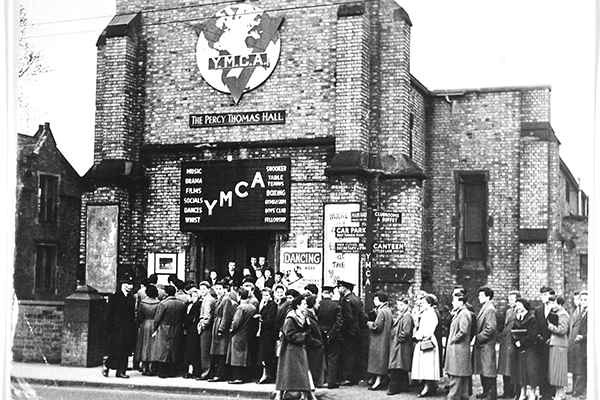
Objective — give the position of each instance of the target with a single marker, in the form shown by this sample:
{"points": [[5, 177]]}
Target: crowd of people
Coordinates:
{"points": [[249, 326]]}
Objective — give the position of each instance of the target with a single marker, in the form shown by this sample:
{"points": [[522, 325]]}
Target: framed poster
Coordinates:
{"points": [[165, 263], [101, 246]]}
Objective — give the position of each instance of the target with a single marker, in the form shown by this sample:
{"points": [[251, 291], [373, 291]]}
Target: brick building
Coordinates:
{"points": [[46, 247], [298, 133]]}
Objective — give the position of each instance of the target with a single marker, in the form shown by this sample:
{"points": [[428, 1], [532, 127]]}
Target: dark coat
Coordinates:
{"points": [[268, 332], [484, 350], [167, 324], [330, 319], [223, 317], [351, 314], [119, 325], [241, 329], [574, 348], [292, 368], [192, 337], [528, 359], [458, 348], [146, 311], [315, 351], [401, 346], [379, 345], [507, 356], [581, 366]]}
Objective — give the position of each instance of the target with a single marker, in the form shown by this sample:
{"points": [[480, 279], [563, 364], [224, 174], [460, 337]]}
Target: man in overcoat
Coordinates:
{"points": [[205, 324], [484, 347], [241, 329], [223, 316], [167, 327], [330, 319], [351, 315], [507, 357], [458, 350], [573, 348], [401, 349], [541, 313], [119, 326], [580, 385]]}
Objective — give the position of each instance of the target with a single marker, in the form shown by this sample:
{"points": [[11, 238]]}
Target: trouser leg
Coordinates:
{"points": [[350, 347], [332, 355]]}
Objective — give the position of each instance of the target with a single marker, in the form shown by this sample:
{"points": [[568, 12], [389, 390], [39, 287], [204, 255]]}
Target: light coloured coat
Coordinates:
{"points": [[379, 345], [559, 332], [484, 350], [426, 364], [292, 368], [223, 317], [401, 348], [240, 334], [458, 348]]}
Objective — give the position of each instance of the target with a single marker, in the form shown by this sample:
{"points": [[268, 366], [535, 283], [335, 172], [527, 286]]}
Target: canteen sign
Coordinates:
{"points": [[238, 49], [242, 194]]}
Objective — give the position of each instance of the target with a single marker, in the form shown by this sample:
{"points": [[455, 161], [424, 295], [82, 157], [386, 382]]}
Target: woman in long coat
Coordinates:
{"points": [[524, 334], [426, 362], [315, 350], [379, 344], [268, 335], [119, 326], [146, 312], [241, 327], [557, 362], [292, 370], [507, 356], [191, 355], [401, 349], [223, 316]]}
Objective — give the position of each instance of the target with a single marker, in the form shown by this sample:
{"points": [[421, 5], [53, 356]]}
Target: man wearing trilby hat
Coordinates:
{"points": [[120, 327], [351, 311]]}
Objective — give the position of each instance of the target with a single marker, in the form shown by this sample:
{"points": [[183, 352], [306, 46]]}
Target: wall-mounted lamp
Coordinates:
{"points": [[229, 156]]}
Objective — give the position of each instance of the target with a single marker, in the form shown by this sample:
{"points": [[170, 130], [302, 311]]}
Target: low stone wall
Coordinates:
{"points": [[39, 331]]}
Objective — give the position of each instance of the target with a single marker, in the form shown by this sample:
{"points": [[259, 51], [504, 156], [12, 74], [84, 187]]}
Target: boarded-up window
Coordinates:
{"points": [[48, 198], [45, 267], [472, 218], [583, 266]]}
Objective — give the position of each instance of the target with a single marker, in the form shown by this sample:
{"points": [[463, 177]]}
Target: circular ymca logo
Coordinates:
{"points": [[238, 49]]}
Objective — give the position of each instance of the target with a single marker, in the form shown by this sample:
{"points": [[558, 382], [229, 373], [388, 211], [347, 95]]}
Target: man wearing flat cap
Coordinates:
{"points": [[119, 325], [351, 316], [330, 319]]}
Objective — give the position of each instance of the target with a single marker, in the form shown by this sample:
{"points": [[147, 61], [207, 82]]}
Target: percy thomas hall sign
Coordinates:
{"points": [[241, 118], [237, 195]]}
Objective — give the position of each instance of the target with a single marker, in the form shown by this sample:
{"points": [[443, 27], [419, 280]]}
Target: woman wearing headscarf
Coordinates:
{"points": [[524, 334], [379, 344], [426, 360], [558, 325], [292, 370], [267, 332], [146, 311]]}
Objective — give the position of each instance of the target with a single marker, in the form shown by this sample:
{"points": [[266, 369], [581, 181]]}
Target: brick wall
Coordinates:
{"points": [[38, 333]]}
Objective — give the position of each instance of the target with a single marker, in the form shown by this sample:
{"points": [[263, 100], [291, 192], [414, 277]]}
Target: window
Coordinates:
{"points": [[48, 198], [45, 262], [568, 192], [583, 266], [472, 218]]}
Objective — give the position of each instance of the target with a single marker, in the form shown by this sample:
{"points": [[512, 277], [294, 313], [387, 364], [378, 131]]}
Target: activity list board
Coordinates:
{"points": [[236, 195]]}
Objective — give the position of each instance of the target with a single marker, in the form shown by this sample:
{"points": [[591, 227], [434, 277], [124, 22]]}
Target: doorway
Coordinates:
{"points": [[217, 248]]}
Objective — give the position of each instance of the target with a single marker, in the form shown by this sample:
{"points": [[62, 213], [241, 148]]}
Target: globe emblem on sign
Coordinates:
{"points": [[238, 49]]}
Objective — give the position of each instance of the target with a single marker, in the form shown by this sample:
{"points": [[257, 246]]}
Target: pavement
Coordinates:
{"points": [[56, 375]]}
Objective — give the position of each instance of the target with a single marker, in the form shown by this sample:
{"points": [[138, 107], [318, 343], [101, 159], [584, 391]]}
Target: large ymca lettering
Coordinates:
{"points": [[226, 198]]}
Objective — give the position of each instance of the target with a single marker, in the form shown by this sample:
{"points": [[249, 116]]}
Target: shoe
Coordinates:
{"points": [[336, 386], [345, 383], [236, 382], [187, 375], [262, 381], [392, 392], [124, 376], [105, 372], [480, 396], [215, 379]]}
